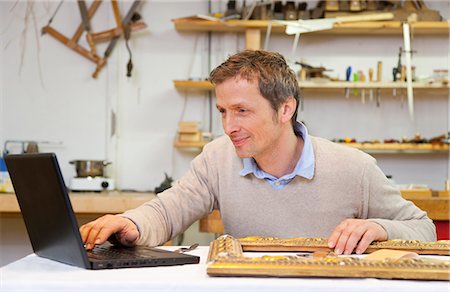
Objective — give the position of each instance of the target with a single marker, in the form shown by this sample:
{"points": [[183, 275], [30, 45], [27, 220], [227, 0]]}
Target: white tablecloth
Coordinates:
{"points": [[34, 273]]}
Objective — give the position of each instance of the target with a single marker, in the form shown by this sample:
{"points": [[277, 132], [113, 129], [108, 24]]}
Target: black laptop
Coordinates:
{"points": [[52, 226]]}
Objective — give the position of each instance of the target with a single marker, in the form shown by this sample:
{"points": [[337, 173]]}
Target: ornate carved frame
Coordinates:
{"points": [[226, 258]]}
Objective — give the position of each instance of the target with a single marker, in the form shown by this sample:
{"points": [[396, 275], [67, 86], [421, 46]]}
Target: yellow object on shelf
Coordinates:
{"points": [[5, 183]]}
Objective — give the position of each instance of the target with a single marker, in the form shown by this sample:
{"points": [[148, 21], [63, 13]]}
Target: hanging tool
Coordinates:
{"points": [[348, 73], [92, 38], [126, 20], [379, 71], [362, 78], [397, 71], [371, 83], [72, 43], [408, 55], [87, 25], [355, 81]]}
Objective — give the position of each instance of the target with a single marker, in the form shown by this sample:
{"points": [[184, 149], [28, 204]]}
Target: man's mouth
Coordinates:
{"points": [[239, 141]]}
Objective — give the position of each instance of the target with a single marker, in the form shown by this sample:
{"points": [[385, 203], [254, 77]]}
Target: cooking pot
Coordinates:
{"points": [[87, 168]]}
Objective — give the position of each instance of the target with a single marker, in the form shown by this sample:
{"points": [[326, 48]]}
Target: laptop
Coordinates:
{"points": [[52, 227]]}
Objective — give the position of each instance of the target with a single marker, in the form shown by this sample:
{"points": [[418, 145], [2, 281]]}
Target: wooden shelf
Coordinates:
{"points": [[371, 148], [193, 85], [197, 144], [325, 84], [393, 148], [355, 28]]}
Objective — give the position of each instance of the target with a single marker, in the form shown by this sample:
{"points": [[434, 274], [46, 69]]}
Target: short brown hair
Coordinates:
{"points": [[276, 81]]}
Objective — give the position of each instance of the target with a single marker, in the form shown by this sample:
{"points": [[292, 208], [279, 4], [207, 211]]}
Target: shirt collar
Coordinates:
{"points": [[304, 167]]}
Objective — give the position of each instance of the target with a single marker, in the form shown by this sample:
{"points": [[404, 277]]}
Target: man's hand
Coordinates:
{"points": [[358, 233], [98, 231]]}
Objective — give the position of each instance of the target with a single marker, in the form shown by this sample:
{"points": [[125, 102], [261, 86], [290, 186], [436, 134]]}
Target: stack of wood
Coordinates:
{"points": [[188, 131]]}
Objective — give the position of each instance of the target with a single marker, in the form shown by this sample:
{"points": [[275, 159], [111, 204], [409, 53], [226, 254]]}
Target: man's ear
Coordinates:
{"points": [[287, 109]]}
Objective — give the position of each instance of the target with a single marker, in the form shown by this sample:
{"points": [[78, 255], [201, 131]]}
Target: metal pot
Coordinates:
{"points": [[87, 168]]}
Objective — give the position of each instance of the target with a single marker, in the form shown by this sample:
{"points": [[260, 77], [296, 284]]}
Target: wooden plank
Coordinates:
{"points": [[89, 202], [253, 39], [212, 223], [193, 85], [324, 84], [413, 193], [400, 147], [195, 144], [385, 148], [445, 194]]}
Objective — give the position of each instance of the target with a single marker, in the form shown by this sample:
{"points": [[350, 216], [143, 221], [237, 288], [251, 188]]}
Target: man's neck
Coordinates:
{"points": [[284, 157]]}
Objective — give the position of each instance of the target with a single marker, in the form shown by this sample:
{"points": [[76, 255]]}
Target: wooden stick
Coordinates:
{"points": [[116, 13], [74, 46], [115, 32], [92, 9]]}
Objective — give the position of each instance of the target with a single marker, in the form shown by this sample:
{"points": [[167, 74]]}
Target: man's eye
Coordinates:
{"points": [[242, 110]]}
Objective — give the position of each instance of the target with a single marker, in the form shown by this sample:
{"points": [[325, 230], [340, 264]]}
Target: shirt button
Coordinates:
{"points": [[277, 183]]}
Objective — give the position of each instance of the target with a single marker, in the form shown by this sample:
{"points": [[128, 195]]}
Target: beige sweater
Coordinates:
{"points": [[347, 184]]}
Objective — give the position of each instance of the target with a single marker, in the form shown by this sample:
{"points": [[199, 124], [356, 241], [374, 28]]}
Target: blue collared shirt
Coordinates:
{"points": [[304, 167]]}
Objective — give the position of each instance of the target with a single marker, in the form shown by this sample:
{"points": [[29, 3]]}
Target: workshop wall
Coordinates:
{"points": [[53, 98]]}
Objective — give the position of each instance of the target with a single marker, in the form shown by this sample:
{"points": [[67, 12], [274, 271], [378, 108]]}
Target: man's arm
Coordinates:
{"points": [[174, 210], [157, 221], [389, 216]]}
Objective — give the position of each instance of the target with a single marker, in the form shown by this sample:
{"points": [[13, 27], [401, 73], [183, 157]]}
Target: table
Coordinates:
{"points": [[33, 273]]}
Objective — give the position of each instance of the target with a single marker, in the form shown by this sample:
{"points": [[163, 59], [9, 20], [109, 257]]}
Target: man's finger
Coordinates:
{"points": [[334, 237], [354, 238]]}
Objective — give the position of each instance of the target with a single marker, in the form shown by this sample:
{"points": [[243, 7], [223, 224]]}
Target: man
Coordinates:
{"points": [[268, 177]]}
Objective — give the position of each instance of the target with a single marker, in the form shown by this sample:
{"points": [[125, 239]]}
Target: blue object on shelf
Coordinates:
{"points": [[2, 165]]}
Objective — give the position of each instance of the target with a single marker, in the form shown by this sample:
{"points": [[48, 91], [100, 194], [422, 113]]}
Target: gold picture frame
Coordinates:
{"points": [[226, 258], [304, 244]]}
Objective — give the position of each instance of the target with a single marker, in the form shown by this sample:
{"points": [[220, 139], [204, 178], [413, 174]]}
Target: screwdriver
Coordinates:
{"points": [[348, 73]]}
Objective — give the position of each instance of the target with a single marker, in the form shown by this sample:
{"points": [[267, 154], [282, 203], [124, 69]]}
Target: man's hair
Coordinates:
{"points": [[276, 81]]}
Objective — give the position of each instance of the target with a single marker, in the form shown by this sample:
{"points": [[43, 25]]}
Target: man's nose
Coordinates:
{"points": [[229, 125]]}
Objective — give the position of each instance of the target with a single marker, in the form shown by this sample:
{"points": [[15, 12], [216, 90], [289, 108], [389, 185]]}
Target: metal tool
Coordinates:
{"points": [[379, 71], [126, 21], [371, 81], [186, 249], [408, 56], [87, 25], [396, 71]]}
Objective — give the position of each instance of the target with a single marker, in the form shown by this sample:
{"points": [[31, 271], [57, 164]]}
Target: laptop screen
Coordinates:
{"points": [[46, 208]]}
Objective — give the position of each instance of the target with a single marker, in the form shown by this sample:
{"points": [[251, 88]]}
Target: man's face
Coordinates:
{"points": [[248, 118]]}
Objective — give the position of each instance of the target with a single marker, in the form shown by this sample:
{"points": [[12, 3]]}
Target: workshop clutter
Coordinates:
{"points": [[294, 10]]}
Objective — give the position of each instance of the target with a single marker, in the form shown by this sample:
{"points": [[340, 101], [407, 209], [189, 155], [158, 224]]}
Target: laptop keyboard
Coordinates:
{"points": [[107, 253]]}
